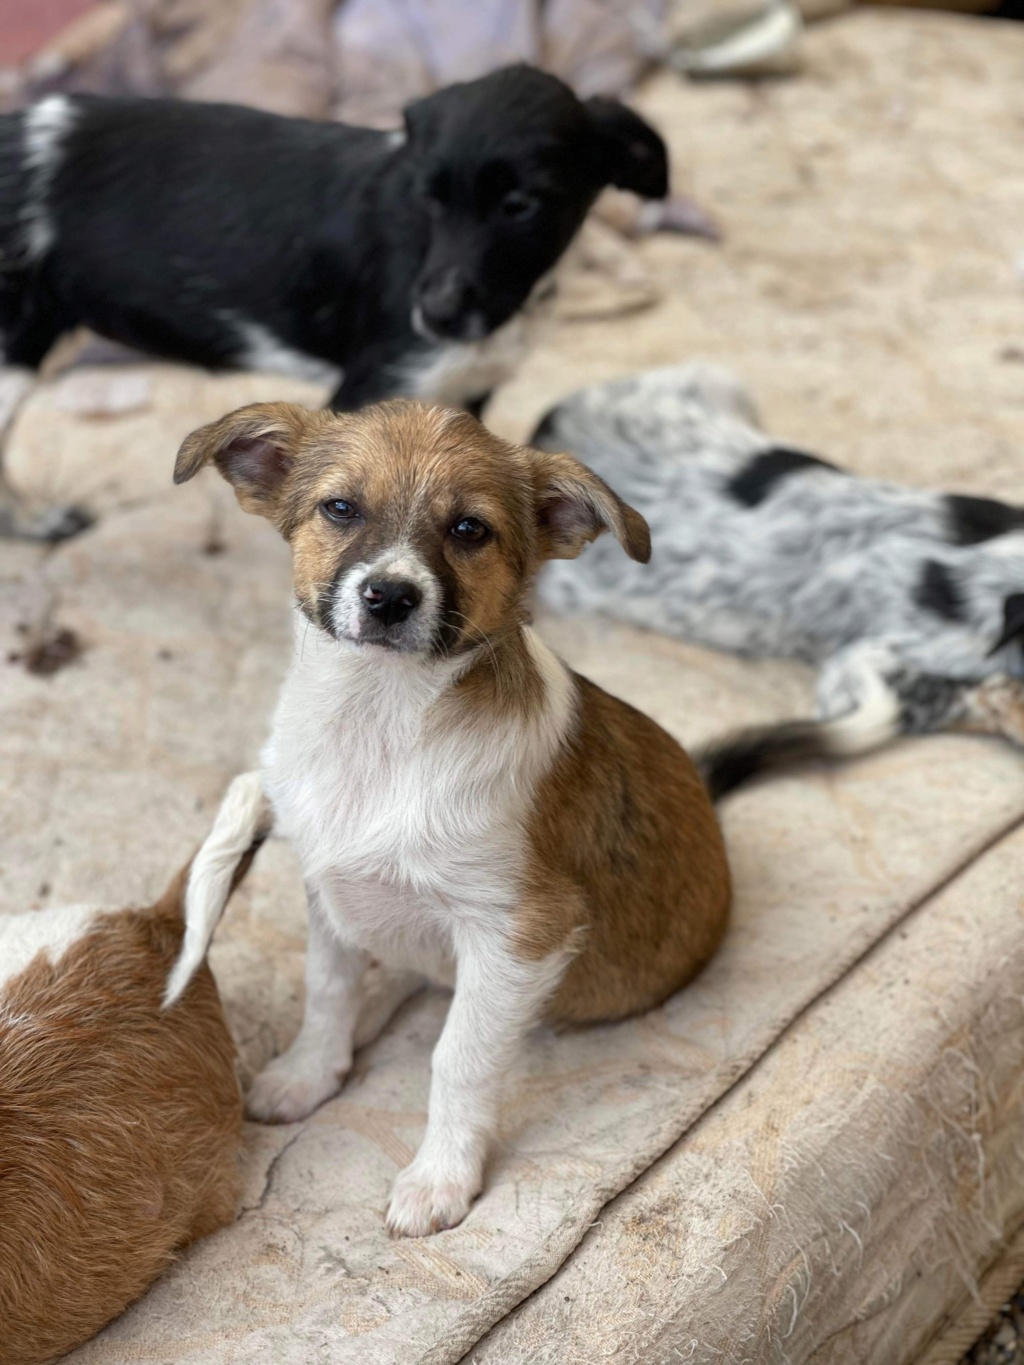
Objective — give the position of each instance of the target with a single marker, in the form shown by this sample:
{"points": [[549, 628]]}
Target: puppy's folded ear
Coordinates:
{"points": [[574, 506], [630, 154], [255, 450]]}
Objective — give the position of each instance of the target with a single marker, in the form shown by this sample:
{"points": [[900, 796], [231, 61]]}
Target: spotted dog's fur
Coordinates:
{"points": [[910, 601]]}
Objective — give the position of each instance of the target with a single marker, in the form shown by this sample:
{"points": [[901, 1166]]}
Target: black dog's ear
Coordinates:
{"points": [[421, 118], [1013, 622], [630, 154]]}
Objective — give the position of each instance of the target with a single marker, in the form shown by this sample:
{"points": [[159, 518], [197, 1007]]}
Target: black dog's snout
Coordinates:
{"points": [[445, 298], [391, 600], [443, 294]]}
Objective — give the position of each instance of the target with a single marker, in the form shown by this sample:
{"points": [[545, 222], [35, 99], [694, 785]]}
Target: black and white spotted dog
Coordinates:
{"points": [[910, 602]]}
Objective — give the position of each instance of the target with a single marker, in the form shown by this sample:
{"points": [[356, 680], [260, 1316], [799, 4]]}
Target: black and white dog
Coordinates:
{"points": [[396, 263], [911, 602]]}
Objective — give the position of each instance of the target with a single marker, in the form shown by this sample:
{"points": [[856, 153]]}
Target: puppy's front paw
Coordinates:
{"points": [[290, 1088], [423, 1202]]}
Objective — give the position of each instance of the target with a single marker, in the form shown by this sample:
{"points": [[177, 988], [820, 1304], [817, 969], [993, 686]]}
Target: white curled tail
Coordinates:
{"points": [[243, 821]]}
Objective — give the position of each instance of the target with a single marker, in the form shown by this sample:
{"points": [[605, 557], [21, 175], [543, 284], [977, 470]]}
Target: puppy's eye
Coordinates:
{"points": [[470, 530], [519, 206], [338, 509]]}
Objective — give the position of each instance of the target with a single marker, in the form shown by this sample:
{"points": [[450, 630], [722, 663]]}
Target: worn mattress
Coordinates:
{"points": [[815, 1151]]}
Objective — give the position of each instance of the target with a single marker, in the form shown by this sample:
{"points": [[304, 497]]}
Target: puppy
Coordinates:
{"points": [[119, 1126], [395, 263], [911, 602], [463, 804]]}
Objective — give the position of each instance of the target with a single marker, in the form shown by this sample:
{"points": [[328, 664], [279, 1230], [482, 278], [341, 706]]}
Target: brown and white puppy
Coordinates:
{"points": [[120, 1125], [463, 804]]}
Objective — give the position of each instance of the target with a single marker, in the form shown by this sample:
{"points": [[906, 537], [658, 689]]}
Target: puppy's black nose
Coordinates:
{"points": [[443, 295], [391, 600], [446, 300]]}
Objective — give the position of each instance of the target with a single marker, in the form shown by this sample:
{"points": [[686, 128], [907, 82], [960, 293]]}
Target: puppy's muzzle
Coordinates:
{"points": [[390, 601], [393, 603], [448, 308]]}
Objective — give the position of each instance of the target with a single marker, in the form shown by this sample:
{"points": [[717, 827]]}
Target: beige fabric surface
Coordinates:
{"points": [[120, 758], [854, 1186], [974, 1313], [868, 288], [866, 225]]}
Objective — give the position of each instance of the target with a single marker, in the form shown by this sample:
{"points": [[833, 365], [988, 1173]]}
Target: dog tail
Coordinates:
{"points": [[728, 763], [204, 887]]}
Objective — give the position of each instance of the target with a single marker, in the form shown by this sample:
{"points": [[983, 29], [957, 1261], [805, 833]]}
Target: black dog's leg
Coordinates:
{"points": [[26, 335], [341, 400], [18, 519], [29, 344], [380, 372], [48, 525], [30, 319], [475, 406]]}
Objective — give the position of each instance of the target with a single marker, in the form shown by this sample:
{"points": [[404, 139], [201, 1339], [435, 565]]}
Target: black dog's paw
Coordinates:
{"points": [[49, 526]]}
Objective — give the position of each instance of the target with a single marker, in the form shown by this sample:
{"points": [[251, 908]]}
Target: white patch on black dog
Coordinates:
{"points": [[262, 350], [455, 373], [45, 126], [458, 372]]}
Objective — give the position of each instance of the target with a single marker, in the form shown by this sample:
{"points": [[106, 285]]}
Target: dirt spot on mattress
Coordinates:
{"points": [[47, 649]]}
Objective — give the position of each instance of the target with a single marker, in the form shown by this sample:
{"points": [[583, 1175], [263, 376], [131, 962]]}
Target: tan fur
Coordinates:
{"points": [[629, 868], [413, 470], [624, 829], [464, 804], [120, 1128]]}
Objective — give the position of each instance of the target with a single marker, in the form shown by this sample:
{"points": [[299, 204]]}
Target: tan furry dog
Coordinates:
{"points": [[120, 1126], [464, 805]]}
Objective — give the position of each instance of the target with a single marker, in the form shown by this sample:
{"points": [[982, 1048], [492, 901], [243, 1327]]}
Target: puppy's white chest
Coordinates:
{"points": [[412, 814], [406, 831]]}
